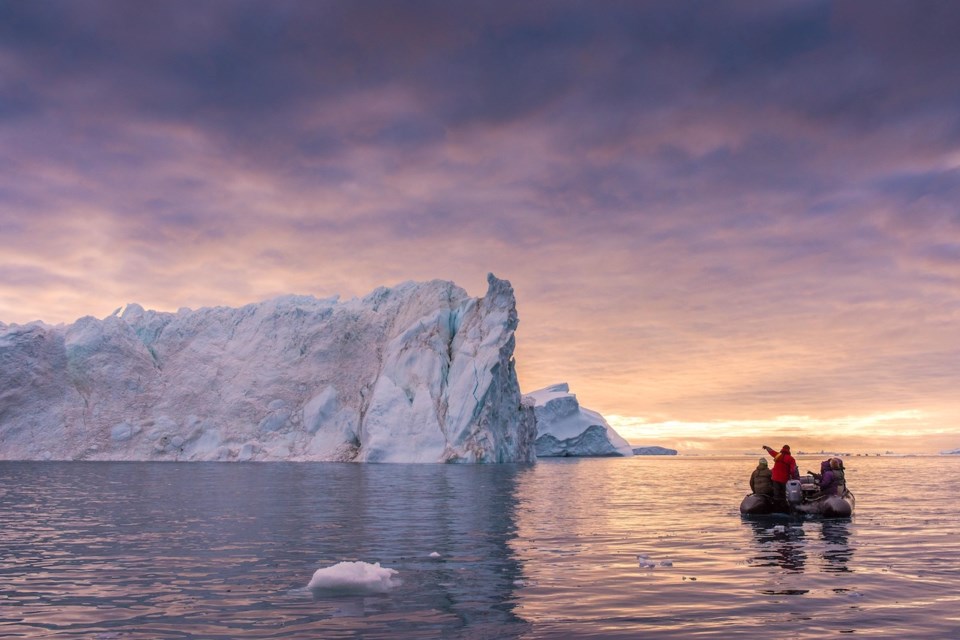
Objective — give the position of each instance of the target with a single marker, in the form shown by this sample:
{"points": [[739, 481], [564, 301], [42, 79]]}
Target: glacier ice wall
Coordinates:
{"points": [[564, 428], [420, 372]]}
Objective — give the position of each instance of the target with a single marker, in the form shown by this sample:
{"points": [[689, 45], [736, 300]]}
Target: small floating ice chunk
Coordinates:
{"points": [[354, 577], [646, 563], [434, 555]]}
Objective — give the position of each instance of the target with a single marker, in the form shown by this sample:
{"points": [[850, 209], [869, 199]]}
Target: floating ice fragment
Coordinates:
{"points": [[354, 577], [434, 555], [666, 563]]}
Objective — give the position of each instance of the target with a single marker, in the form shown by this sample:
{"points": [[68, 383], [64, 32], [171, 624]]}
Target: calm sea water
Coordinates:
{"points": [[163, 550]]}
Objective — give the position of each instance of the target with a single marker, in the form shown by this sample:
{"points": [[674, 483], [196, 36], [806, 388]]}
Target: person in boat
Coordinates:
{"points": [[784, 468], [826, 479], [838, 482], [760, 481]]}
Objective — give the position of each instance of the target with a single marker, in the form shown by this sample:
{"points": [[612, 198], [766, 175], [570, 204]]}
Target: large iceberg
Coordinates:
{"points": [[564, 428], [420, 372]]}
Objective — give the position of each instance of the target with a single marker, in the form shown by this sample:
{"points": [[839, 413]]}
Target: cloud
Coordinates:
{"points": [[705, 209]]}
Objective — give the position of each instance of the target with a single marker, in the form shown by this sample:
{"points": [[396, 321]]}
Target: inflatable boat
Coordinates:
{"points": [[803, 497]]}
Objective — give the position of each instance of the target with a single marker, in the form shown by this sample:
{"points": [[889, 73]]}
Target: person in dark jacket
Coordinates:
{"points": [[784, 468], [760, 482]]}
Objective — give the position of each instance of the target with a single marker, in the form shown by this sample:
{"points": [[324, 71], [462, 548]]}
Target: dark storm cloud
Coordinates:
{"points": [[250, 73], [783, 81]]}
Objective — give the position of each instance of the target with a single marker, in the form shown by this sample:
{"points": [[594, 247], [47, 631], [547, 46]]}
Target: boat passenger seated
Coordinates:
{"points": [[830, 479], [761, 482], [838, 484]]}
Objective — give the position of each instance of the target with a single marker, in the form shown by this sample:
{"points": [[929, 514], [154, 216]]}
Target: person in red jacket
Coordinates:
{"points": [[784, 468]]}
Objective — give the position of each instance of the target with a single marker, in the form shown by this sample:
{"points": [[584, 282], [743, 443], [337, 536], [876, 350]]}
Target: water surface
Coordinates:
{"points": [[607, 548]]}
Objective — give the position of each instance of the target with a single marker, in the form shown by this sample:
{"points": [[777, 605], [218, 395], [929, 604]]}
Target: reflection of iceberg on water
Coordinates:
{"points": [[446, 564], [354, 577]]}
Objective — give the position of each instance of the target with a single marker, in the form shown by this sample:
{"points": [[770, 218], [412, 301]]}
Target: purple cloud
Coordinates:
{"points": [[705, 208]]}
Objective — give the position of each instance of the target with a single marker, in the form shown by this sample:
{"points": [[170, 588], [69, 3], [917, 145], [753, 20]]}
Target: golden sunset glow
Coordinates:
{"points": [[717, 237], [865, 434]]}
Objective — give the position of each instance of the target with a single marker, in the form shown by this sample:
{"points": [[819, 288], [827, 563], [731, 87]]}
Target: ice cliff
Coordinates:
{"points": [[564, 428], [420, 372]]}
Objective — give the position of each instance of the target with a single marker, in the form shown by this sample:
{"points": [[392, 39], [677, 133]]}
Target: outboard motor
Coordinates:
{"points": [[794, 492]]}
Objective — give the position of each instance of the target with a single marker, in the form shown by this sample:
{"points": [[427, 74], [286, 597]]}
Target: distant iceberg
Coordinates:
{"points": [[654, 451], [564, 428], [952, 452], [420, 372]]}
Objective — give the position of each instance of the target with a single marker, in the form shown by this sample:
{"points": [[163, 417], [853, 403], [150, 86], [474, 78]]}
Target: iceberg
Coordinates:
{"points": [[420, 372], [564, 428], [654, 451]]}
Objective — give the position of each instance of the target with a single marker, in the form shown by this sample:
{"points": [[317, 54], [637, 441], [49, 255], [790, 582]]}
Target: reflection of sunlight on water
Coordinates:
{"points": [[726, 574]]}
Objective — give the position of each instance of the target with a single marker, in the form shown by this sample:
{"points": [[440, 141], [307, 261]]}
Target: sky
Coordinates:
{"points": [[727, 224]]}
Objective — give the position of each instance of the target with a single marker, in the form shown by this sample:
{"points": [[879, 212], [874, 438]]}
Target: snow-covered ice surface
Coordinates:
{"points": [[564, 428], [420, 372], [354, 577]]}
